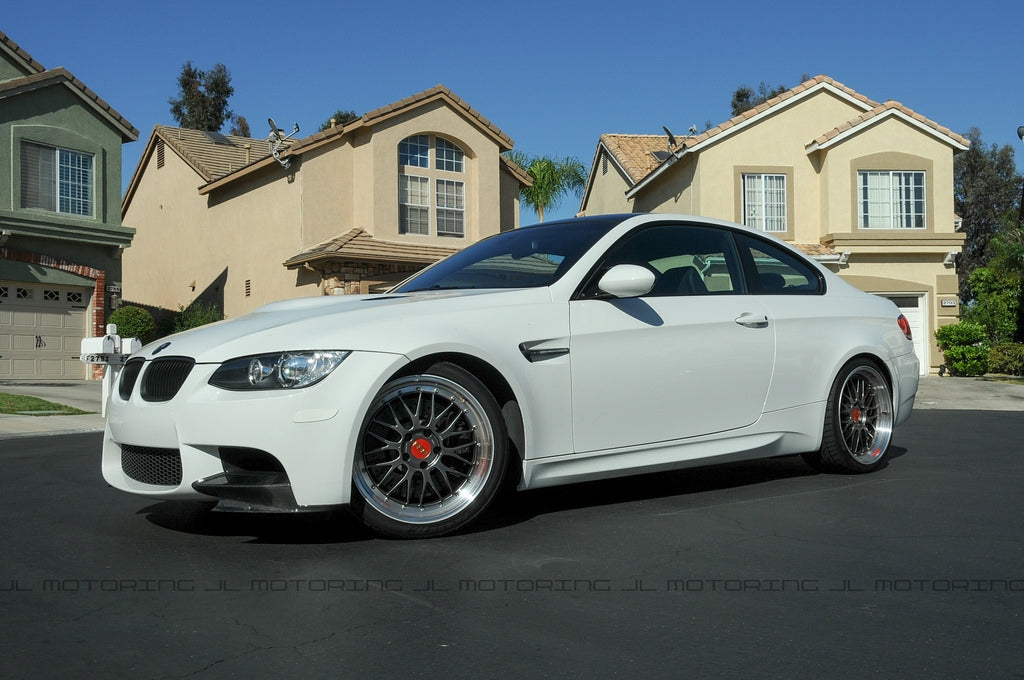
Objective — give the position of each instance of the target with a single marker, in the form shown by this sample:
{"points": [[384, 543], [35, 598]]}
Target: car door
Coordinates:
{"points": [[693, 357]]}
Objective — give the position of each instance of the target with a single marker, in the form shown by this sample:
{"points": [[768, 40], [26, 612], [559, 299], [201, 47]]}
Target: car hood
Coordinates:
{"points": [[392, 323]]}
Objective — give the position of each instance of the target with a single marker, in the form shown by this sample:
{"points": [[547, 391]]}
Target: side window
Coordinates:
{"points": [[686, 260], [771, 270]]}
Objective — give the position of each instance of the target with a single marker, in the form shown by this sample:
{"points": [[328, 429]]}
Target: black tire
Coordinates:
{"points": [[858, 421], [431, 454]]}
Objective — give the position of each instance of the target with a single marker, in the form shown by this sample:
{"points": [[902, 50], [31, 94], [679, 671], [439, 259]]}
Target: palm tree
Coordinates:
{"points": [[553, 178]]}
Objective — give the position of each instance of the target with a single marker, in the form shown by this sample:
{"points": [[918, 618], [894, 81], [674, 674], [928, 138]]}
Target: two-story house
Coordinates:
{"points": [[61, 236], [354, 208], [865, 187]]}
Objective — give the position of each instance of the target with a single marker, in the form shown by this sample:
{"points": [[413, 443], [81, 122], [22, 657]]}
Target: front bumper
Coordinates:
{"points": [[162, 449]]}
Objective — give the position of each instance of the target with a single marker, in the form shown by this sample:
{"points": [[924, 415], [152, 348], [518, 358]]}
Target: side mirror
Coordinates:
{"points": [[627, 281]]}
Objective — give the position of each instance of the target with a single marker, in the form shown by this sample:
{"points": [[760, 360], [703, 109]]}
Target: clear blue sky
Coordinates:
{"points": [[554, 76]]}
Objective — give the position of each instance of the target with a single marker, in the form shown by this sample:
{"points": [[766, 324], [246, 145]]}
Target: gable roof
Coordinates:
{"points": [[338, 132], [635, 154], [19, 56], [628, 151], [38, 77], [890, 109], [359, 245], [213, 156], [209, 158]]}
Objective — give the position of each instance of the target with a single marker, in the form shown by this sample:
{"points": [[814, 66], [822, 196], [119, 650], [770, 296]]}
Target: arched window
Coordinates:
{"points": [[431, 187]]}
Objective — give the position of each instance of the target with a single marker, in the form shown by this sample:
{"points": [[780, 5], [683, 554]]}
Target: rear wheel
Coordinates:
{"points": [[431, 454], [858, 421]]}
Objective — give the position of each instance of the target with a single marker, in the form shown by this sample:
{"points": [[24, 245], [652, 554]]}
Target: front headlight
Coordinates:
{"points": [[277, 371]]}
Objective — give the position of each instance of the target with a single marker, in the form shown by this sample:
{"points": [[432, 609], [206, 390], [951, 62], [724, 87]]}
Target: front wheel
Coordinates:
{"points": [[858, 421], [431, 454]]}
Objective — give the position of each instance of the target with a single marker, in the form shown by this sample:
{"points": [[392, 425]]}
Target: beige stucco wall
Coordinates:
{"points": [[212, 241], [241, 233], [821, 193], [608, 191]]}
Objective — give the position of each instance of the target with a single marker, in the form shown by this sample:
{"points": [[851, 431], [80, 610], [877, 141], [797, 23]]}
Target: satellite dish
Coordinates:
{"points": [[274, 130], [671, 137], [277, 138]]}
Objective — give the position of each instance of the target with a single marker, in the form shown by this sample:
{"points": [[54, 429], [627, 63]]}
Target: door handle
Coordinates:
{"points": [[752, 320]]}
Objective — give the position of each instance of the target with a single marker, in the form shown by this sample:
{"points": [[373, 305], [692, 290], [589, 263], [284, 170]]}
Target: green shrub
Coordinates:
{"points": [[966, 347], [133, 322], [996, 302], [197, 314], [1008, 358]]}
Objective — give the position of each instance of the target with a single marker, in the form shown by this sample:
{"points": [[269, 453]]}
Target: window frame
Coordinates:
{"points": [[406, 225], [71, 183], [919, 197], [441, 162], [764, 192]]}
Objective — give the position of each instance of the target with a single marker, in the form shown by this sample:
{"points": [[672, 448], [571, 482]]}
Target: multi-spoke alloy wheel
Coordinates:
{"points": [[858, 420], [431, 454]]}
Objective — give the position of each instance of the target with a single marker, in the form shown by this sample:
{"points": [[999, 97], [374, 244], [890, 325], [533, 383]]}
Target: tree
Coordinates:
{"points": [[553, 178], [202, 103], [996, 304], [745, 98], [339, 117], [240, 126], [986, 188]]}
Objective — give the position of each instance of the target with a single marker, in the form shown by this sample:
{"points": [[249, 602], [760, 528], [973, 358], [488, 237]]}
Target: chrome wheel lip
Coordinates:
{"points": [[444, 403], [865, 415]]}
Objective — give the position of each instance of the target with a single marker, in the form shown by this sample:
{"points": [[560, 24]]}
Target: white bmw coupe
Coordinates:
{"points": [[545, 355]]}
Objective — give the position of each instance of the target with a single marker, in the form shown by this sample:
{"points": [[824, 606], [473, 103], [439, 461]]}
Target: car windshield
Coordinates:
{"points": [[521, 258]]}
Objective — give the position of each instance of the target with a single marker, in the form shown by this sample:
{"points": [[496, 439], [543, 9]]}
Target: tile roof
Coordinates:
{"points": [[633, 153], [220, 164], [881, 110], [814, 249], [210, 158], [383, 113], [815, 82], [359, 245]]}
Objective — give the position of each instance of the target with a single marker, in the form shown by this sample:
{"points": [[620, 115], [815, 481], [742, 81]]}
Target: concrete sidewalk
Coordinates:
{"points": [[86, 395], [974, 394]]}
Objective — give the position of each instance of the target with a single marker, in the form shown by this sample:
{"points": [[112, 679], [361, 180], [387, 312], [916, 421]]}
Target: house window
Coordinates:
{"points": [[74, 297], [51, 295], [431, 190], [764, 202], [891, 199], [451, 208], [414, 204], [55, 179], [449, 156], [414, 151], [24, 294]]}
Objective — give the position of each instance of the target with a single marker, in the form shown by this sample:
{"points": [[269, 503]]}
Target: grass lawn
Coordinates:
{"points": [[16, 404]]}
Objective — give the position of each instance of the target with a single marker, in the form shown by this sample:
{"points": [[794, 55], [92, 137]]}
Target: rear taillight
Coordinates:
{"points": [[904, 326]]}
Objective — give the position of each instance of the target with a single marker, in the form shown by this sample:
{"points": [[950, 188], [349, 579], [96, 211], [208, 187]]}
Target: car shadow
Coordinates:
{"points": [[523, 506], [338, 526], [305, 528]]}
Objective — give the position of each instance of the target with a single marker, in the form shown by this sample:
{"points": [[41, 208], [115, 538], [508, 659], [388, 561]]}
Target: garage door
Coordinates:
{"points": [[41, 330], [912, 307]]}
